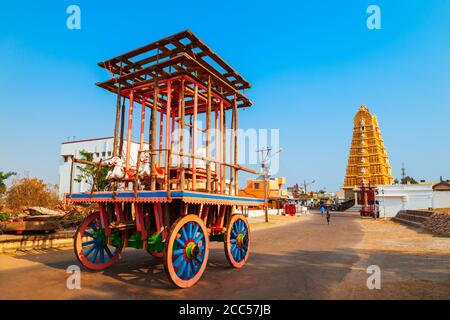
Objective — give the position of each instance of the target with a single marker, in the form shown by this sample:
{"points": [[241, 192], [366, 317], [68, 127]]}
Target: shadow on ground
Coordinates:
{"points": [[295, 274]]}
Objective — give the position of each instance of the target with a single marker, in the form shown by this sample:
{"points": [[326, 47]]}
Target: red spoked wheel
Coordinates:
{"points": [[91, 245], [237, 241], [186, 251]]}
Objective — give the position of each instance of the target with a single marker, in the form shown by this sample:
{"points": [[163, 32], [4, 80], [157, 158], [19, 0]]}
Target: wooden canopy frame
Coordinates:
{"points": [[178, 78], [180, 54]]}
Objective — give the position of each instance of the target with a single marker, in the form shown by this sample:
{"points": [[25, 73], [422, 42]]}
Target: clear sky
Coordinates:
{"points": [[311, 64]]}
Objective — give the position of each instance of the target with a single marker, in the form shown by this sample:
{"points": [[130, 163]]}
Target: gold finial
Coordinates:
{"points": [[363, 108]]}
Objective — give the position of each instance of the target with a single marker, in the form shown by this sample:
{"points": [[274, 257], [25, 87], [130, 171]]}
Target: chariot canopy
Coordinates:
{"points": [[169, 58]]}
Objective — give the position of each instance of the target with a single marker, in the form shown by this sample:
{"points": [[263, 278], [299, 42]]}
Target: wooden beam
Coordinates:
{"points": [[222, 148], [161, 128], [208, 138], [236, 146], [167, 144], [161, 45], [116, 125], [232, 134], [216, 148], [206, 159], [129, 131], [152, 133], [179, 127], [188, 67], [142, 127], [181, 142], [194, 136], [122, 128], [91, 163]]}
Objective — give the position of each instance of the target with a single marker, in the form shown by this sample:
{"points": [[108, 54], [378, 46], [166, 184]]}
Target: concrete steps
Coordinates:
{"points": [[408, 222], [413, 218], [356, 208]]}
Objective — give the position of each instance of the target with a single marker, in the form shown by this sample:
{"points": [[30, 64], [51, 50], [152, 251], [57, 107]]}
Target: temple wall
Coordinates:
{"points": [[441, 199], [404, 197]]}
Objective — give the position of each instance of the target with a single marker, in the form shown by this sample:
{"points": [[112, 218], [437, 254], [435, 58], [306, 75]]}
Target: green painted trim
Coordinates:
{"points": [[156, 242], [134, 241], [117, 240]]}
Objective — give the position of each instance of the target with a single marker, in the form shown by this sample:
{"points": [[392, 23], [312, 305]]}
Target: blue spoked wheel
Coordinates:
{"points": [[91, 245], [186, 251], [237, 240]]}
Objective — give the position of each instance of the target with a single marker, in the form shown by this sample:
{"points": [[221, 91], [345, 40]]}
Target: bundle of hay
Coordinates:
{"points": [[439, 223], [42, 211]]}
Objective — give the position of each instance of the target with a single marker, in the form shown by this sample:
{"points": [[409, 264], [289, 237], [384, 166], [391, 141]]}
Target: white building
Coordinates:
{"points": [[101, 148], [393, 198], [441, 195]]}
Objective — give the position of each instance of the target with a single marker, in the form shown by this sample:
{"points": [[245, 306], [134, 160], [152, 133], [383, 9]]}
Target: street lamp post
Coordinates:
{"points": [[265, 173], [305, 184]]}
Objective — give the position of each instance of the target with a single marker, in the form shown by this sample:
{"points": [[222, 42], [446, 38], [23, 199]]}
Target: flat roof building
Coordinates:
{"points": [[100, 148]]}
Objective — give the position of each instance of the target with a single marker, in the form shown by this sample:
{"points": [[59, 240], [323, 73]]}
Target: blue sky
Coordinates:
{"points": [[311, 64]]}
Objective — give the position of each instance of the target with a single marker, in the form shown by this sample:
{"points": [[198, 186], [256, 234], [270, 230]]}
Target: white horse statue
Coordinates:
{"points": [[117, 172], [145, 171]]}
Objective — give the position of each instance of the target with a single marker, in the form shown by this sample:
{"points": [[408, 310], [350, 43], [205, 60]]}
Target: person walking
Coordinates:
{"points": [[322, 210], [328, 216]]}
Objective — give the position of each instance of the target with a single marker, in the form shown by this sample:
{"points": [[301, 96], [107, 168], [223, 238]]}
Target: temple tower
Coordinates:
{"points": [[368, 162]]}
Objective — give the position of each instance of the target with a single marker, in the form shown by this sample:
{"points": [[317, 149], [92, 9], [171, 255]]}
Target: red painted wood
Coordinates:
{"points": [[219, 223], [103, 216], [119, 212], [129, 130], [194, 139], [139, 216]]}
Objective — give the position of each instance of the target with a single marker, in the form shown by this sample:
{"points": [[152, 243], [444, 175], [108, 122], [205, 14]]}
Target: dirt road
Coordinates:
{"points": [[300, 260]]}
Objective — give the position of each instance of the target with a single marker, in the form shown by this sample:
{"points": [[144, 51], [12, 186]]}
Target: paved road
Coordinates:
{"points": [[301, 260]]}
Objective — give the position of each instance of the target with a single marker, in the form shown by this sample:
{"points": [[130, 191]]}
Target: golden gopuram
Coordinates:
{"points": [[368, 162]]}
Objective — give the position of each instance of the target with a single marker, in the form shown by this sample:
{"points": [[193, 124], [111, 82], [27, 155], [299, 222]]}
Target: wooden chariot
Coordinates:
{"points": [[180, 192]]}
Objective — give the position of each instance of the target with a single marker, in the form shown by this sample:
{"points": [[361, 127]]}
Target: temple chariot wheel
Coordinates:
{"points": [[91, 245], [237, 240], [186, 251]]}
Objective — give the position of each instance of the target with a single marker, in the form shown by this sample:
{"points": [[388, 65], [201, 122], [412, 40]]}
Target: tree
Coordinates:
{"points": [[29, 192], [89, 172], [3, 177], [409, 180]]}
